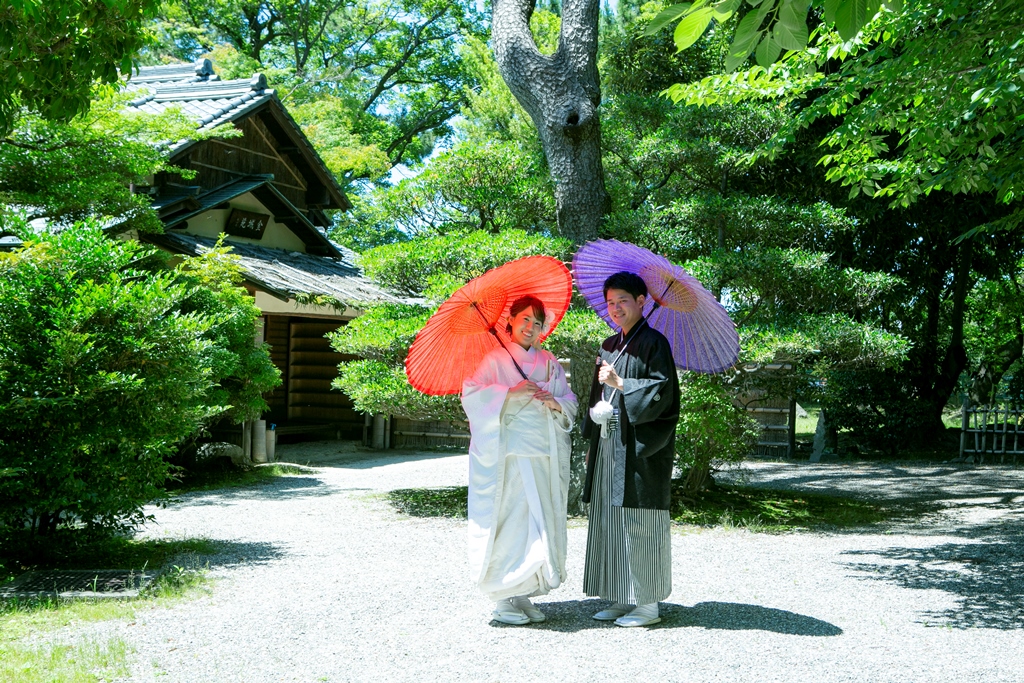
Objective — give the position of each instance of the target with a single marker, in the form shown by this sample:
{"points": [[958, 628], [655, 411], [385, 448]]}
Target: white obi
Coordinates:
{"points": [[528, 431]]}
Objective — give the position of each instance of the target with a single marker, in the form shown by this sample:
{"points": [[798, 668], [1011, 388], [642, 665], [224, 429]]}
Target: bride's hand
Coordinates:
{"points": [[525, 389], [548, 399]]}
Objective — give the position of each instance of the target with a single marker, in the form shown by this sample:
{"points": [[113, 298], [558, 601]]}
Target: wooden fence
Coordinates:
{"points": [[992, 430]]}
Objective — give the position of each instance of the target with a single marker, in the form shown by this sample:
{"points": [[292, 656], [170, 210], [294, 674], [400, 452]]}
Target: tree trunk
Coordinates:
{"points": [[938, 388], [581, 374], [561, 93]]}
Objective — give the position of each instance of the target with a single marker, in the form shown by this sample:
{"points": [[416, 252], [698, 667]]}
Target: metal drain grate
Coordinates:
{"points": [[78, 583]]}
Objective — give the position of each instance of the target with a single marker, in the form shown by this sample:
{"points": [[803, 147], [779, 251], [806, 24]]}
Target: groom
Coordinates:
{"points": [[634, 408]]}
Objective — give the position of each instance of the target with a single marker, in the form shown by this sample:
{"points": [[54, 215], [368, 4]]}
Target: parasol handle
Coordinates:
{"points": [[494, 333]]}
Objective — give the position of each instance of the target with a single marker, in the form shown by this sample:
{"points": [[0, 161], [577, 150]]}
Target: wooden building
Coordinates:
{"points": [[268, 190]]}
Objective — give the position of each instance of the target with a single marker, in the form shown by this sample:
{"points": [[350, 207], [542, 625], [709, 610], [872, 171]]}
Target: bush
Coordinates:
{"points": [[375, 387], [241, 372], [712, 430], [883, 409], [104, 367]]}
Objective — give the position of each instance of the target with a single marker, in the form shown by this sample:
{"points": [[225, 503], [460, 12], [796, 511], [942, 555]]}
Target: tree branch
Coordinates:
{"points": [[35, 147]]}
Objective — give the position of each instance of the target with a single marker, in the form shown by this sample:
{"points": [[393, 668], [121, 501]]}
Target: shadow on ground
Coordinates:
{"points": [[887, 481], [232, 553], [577, 615], [371, 459], [291, 486], [984, 572]]}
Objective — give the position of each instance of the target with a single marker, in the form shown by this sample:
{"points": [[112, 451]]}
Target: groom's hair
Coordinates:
{"points": [[627, 282]]}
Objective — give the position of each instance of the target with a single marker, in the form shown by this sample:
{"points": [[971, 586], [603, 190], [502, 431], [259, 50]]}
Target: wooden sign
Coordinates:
{"points": [[246, 224]]}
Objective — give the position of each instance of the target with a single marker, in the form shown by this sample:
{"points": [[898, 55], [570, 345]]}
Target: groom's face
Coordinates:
{"points": [[624, 310]]}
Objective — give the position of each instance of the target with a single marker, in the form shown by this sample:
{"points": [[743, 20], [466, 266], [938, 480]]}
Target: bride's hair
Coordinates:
{"points": [[521, 304]]}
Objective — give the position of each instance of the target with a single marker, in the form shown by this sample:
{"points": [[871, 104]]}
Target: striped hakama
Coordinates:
{"points": [[629, 550]]}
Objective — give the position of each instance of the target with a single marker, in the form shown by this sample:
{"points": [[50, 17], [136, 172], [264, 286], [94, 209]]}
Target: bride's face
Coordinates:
{"points": [[526, 328]]}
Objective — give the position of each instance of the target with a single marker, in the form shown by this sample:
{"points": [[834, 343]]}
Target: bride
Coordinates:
{"points": [[518, 468]]}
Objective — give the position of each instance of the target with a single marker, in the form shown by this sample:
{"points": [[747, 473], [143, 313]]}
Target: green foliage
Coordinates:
{"points": [[712, 430], [228, 478], [453, 259], [762, 510], [886, 404], [383, 333], [374, 83], [378, 388], [329, 121], [52, 53], [822, 343], [689, 227], [766, 27], [241, 371], [924, 99], [104, 367], [67, 549], [491, 186], [68, 171], [579, 334]]}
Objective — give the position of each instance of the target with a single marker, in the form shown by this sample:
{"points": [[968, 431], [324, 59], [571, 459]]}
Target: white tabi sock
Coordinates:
{"points": [[648, 611]]}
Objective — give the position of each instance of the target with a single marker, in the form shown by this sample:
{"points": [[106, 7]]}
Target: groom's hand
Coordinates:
{"points": [[607, 375]]}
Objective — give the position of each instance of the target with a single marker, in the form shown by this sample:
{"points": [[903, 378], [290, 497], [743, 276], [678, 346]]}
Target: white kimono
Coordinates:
{"points": [[518, 474]]}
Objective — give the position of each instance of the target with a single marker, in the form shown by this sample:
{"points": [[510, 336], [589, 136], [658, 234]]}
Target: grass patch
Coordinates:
{"points": [[208, 480], [448, 501], [87, 661], [807, 426], [777, 511], [726, 506]]}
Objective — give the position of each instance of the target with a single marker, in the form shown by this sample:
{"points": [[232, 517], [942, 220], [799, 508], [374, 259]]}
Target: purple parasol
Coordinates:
{"points": [[702, 336]]}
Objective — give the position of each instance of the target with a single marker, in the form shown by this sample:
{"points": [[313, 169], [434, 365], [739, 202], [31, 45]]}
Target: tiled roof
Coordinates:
{"points": [[210, 199], [201, 70], [9, 241], [289, 273], [209, 102], [200, 93]]}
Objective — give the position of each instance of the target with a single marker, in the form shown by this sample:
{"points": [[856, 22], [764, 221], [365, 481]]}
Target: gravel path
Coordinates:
{"points": [[320, 580]]}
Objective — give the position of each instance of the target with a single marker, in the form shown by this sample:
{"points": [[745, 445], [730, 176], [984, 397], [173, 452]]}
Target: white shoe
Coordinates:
{"points": [[523, 604], [614, 612], [507, 614], [644, 615]]}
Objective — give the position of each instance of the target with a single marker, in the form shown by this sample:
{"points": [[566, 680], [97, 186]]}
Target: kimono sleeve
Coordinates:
{"points": [[483, 399], [648, 396]]}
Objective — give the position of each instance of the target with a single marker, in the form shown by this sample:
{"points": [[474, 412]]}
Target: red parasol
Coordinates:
{"points": [[471, 323]]}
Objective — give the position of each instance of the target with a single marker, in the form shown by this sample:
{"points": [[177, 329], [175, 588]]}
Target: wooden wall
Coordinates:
{"points": [[308, 364], [312, 365], [429, 434], [255, 153], [276, 334]]}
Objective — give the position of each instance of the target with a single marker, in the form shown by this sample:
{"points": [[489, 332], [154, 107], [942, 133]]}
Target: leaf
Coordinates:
{"points": [[790, 31], [894, 5], [747, 28], [851, 15], [725, 9], [692, 28], [739, 53], [666, 17], [768, 51], [831, 6]]}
